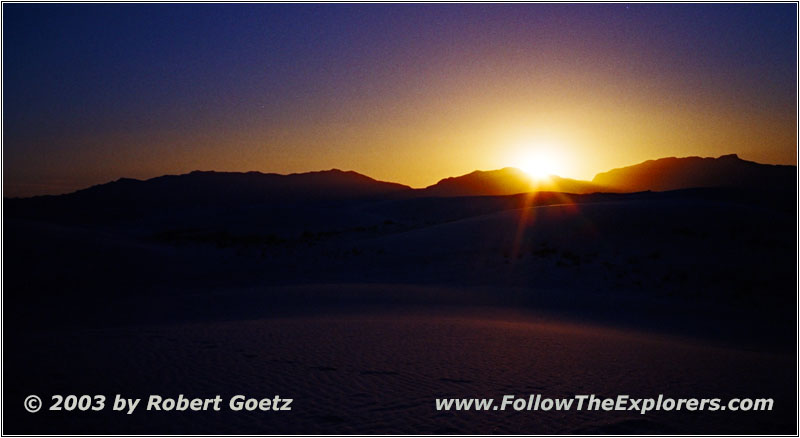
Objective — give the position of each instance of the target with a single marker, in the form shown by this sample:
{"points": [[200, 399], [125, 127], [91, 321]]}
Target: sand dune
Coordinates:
{"points": [[380, 372], [365, 312]]}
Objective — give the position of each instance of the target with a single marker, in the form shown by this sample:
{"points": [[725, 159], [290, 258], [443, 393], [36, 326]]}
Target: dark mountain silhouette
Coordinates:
{"points": [[690, 172], [507, 181], [200, 189], [209, 187], [129, 197]]}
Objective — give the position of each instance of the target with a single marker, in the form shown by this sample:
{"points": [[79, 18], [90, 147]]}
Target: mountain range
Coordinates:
{"points": [[679, 173], [206, 188]]}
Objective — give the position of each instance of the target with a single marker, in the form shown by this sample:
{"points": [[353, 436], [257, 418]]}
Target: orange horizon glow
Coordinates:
{"points": [[588, 87], [585, 141]]}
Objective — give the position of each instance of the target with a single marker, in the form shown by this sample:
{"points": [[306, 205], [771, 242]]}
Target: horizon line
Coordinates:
{"points": [[336, 169]]}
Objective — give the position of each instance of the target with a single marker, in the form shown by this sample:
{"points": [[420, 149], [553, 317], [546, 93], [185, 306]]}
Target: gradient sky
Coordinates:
{"points": [[410, 93]]}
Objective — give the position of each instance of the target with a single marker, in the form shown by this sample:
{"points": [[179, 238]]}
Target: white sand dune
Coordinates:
{"points": [[380, 373], [366, 319]]}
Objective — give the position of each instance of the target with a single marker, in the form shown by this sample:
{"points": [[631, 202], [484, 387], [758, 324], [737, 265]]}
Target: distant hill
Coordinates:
{"points": [[238, 187], [680, 173], [125, 197], [507, 181]]}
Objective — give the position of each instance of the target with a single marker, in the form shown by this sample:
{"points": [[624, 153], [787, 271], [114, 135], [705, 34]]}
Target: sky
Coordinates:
{"points": [[409, 93]]}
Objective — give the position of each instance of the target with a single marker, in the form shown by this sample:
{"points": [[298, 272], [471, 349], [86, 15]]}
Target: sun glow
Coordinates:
{"points": [[540, 161]]}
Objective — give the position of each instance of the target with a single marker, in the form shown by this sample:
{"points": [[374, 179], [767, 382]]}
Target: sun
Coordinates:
{"points": [[539, 162]]}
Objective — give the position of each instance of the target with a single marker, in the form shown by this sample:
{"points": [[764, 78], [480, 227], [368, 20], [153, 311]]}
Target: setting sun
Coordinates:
{"points": [[540, 161]]}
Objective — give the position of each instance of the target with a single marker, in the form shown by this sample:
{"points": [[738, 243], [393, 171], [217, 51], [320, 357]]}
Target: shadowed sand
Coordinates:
{"points": [[365, 312], [380, 372]]}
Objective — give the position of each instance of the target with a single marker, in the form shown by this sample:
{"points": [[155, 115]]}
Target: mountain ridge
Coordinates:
{"points": [[673, 173], [210, 186], [506, 181]]}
